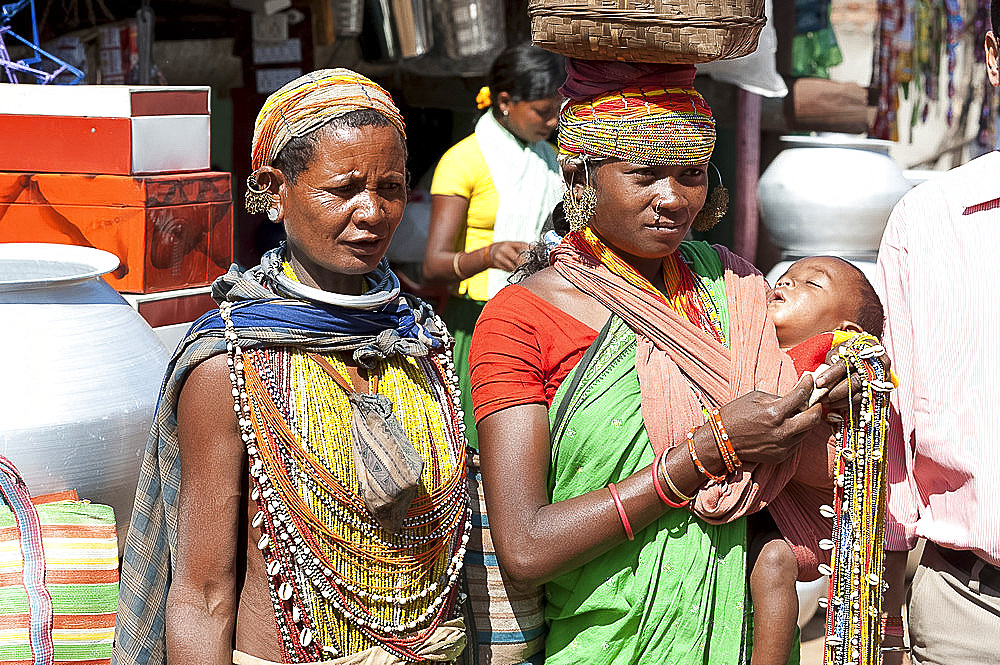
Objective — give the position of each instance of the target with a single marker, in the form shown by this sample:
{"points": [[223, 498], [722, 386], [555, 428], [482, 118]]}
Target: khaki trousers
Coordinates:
{"points": [[954, 618]]}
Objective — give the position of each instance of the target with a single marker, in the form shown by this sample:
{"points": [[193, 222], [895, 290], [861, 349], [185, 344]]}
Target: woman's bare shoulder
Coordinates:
{"points": [[205, 407]]}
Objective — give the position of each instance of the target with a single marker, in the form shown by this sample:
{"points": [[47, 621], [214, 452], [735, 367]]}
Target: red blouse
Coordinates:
{"points": [[521, 351]]}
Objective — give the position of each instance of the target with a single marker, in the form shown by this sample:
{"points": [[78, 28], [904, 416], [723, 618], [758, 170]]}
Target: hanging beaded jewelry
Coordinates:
{"points": [[853, 629], [301, 499], [715, 207]]}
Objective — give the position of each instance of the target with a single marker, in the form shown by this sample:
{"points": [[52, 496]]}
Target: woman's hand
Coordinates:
{"points": [[506, 255], [893, 601], [835, 387], [766, 428]]}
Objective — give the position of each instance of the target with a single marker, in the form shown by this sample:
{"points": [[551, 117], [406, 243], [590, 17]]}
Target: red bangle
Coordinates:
{"points": [[892, 626], [621, 511], [486, 255], [659, 488], [697, 462]]}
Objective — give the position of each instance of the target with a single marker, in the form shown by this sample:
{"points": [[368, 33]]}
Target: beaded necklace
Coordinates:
{"points": [[338, 582], [856, 585], [686, 292]]}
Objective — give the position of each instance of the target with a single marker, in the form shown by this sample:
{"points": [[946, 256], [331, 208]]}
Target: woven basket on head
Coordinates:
{"points": [[675, 31]]}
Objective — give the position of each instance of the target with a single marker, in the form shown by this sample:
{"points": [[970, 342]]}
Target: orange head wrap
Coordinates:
{"points": [[309, 102]]}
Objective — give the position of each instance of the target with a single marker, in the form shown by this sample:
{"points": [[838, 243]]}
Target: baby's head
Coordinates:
{"points": [[820, 294]]}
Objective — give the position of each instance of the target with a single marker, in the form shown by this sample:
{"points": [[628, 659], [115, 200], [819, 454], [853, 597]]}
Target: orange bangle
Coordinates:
{"points": [[697, 462], [726, 450], [621, 511], [486, 256]]}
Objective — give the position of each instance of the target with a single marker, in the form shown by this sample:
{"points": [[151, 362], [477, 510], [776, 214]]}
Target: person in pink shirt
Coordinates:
{"points": [[936, 267]]}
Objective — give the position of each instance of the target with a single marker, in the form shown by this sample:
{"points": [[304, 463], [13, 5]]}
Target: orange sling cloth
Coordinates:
{"points": [[674, 353]]}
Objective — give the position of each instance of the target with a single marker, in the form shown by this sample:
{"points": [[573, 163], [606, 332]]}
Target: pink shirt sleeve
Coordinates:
{"points": [[903, 501]]}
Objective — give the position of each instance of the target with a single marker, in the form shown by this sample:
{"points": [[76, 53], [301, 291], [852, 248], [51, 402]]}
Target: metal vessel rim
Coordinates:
{"points": [[80, 263], [837, 141]]}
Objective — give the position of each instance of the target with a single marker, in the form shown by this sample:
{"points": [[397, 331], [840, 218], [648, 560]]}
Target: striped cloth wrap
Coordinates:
{"points": [[58, 578], [508, 620]]}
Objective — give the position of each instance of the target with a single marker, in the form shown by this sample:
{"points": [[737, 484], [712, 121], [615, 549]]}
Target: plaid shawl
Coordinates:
{"points": [[265, 317]]}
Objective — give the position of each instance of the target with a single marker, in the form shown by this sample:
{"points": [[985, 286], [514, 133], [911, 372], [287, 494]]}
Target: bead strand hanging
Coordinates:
{"points": [[854, 599]]}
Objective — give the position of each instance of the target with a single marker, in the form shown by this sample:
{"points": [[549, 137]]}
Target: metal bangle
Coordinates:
{"points": [[670, 483], [455, 266], [898, 649]]}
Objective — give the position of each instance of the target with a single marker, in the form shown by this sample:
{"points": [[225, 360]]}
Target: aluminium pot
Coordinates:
{"points": [[830, 194], [82, 373]]}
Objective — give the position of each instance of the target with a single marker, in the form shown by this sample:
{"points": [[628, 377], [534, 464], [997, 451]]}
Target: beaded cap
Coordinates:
{"points": [[650, 114], [310, 101]]}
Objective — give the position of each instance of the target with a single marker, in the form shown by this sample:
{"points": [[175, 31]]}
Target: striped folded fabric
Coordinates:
{"points": [[509, 619], [81, 575]]}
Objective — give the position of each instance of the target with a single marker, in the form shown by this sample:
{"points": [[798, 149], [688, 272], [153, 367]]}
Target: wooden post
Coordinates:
{"points": [[747, 173]]}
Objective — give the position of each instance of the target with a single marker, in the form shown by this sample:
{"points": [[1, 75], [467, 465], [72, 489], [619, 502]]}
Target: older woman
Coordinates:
{"points": [[325, 519], [627, 396]]}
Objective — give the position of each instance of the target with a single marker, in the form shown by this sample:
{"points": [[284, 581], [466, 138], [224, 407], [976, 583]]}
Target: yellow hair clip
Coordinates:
{"points": [[483, 98]]}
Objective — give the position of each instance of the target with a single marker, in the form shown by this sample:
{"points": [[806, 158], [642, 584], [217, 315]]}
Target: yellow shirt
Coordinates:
{"points": [[463, 172]]}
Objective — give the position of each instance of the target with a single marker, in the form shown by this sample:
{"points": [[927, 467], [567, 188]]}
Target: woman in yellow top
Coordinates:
{"points": [[492, 191]]}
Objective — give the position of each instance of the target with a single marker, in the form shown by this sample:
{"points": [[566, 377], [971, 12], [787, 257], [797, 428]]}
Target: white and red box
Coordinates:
{"points": [[104, 129]]}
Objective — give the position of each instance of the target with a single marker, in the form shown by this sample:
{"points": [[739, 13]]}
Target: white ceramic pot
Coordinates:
{"points": [[830, 194], [82, 372]]}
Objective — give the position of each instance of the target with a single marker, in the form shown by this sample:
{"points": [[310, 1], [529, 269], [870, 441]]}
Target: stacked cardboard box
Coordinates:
{"points": [[121, 168]]}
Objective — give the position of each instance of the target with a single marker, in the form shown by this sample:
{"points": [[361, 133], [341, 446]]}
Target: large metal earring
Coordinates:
{"points": [[258, 199], [715, 208], [579, 211]]}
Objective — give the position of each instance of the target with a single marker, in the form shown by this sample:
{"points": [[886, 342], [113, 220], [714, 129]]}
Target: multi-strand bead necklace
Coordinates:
{"points": [[854, 601], [338, 582], [685, 291]]}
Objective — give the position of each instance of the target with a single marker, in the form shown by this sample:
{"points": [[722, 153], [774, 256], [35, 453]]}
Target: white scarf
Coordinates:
{"points": [[529, 184]]}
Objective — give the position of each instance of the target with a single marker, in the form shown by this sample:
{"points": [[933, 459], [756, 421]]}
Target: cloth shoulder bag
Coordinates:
{"points": [[506, 620], [58, 577]]}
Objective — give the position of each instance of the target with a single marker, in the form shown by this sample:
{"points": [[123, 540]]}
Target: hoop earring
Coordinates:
{"points": [[715, 208], [258, 199], [579, 212]]}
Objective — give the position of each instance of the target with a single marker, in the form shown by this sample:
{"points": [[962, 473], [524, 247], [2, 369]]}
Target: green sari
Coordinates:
{"points": [[675, 595]]}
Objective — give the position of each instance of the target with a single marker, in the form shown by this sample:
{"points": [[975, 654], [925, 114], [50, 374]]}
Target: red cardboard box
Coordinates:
{"points": [[169, 231], [107, 129]]}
